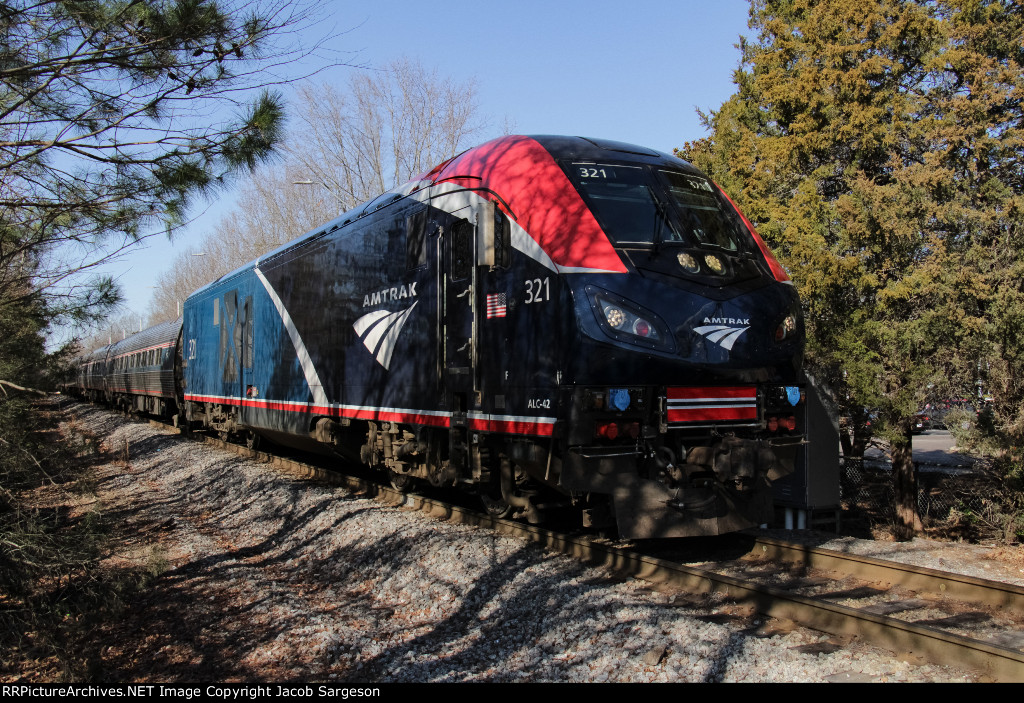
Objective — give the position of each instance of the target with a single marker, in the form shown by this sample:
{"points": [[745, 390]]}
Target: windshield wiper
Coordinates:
{"points": [[662, 219]]}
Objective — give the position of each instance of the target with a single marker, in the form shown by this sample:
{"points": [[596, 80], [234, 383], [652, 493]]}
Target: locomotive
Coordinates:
{"points": [[541, 320]]}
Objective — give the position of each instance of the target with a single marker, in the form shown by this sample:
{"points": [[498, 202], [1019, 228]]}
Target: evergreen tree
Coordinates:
{"points": [[114, 115], [979, 103], [875, 144]]}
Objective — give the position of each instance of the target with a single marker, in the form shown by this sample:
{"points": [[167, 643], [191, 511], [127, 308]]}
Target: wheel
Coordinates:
{"points": [[495, 507], [400, 482]]}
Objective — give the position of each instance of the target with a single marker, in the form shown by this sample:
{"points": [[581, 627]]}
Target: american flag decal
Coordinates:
{"points": [[495, 305], [712, 404]]}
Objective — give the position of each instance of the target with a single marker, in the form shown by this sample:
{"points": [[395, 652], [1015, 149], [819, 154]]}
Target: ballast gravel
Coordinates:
{"points": [[264, 578]]}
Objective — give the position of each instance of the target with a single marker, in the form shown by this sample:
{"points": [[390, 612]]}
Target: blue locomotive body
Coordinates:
{"points": [[538, 314]]}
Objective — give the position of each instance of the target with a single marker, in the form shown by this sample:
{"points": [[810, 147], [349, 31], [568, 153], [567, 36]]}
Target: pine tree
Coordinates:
{"points": [[114, 116]]}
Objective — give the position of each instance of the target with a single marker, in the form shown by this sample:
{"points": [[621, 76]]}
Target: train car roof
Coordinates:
{"points": [[489, 153], [593, 148], [153, 336], [96, 354]]}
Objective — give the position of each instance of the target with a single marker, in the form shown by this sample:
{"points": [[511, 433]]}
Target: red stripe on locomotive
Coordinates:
{"points": [[711, 403], [708, 414], [542, 199], [780, 273], [512, 426], [708, 392]]}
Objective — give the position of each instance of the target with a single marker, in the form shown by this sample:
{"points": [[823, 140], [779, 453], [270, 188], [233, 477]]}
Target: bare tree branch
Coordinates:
{"points": [[16, 387], [389, 126]]}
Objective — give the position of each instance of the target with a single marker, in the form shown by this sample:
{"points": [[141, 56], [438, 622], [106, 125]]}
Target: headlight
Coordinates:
{"points": [[790, 326], [786, 328], [625, 321], [616, 317], [714, 263], [688, 262]]}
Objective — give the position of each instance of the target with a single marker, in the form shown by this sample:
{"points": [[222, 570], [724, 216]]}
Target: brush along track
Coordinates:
{"points": [[942, 617]]}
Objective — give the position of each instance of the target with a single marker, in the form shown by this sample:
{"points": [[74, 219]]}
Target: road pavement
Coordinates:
{"points": [[932, 448]]}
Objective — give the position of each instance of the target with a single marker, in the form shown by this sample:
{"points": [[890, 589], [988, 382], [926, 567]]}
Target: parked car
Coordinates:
{"points": [[937, 411], [922, 423]]}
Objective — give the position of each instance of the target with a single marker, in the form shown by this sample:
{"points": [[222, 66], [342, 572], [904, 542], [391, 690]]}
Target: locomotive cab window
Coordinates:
{"points": [[624, 202], [416, 240], [461, 250], [702, 211], [502, 239], [641, 205]]}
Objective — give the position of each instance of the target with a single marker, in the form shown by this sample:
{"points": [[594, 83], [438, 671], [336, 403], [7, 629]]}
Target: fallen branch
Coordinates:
{"points": [[19, 388]]}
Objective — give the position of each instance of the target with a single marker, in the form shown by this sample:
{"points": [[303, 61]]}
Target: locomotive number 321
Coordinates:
{"points": [[538, 290]]}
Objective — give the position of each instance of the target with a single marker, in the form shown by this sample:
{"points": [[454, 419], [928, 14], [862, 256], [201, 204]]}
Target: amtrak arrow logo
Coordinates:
{"points": [[722, 335], [379, 332]]}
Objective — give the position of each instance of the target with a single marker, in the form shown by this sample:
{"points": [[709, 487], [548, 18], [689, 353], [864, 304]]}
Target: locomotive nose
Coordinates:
{"points": [[761, 326]]}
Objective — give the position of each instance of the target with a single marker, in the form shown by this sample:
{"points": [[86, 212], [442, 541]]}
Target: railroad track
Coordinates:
{"points": [[938, 616], [944, 617]]}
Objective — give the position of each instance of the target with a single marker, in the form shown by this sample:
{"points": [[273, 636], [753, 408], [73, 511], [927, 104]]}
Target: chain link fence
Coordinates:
{"points": [[952, 497]]}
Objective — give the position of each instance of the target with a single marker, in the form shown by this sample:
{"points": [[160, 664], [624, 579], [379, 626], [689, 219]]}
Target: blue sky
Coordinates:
{"points": [[629, 71]]}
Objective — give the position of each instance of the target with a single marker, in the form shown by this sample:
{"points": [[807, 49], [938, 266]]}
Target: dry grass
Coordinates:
{"points": [[56, 584], [1009, 554]]}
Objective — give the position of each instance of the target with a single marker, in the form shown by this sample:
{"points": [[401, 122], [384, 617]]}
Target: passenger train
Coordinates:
{"points": [[545, 321]]}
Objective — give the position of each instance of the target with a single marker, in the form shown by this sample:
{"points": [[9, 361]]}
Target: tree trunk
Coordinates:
{"points": [[908, 522], [855, 434]]}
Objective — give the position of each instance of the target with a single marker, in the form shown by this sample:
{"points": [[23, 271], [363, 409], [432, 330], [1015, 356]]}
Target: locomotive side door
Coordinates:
{"points": [[457, 353], [468, 250], [244, 341], [234, 317], [458, 292], [230, 338]]}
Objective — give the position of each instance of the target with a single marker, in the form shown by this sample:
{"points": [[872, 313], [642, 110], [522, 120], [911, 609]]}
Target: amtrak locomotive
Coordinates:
{"points": [[542, 320]]}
